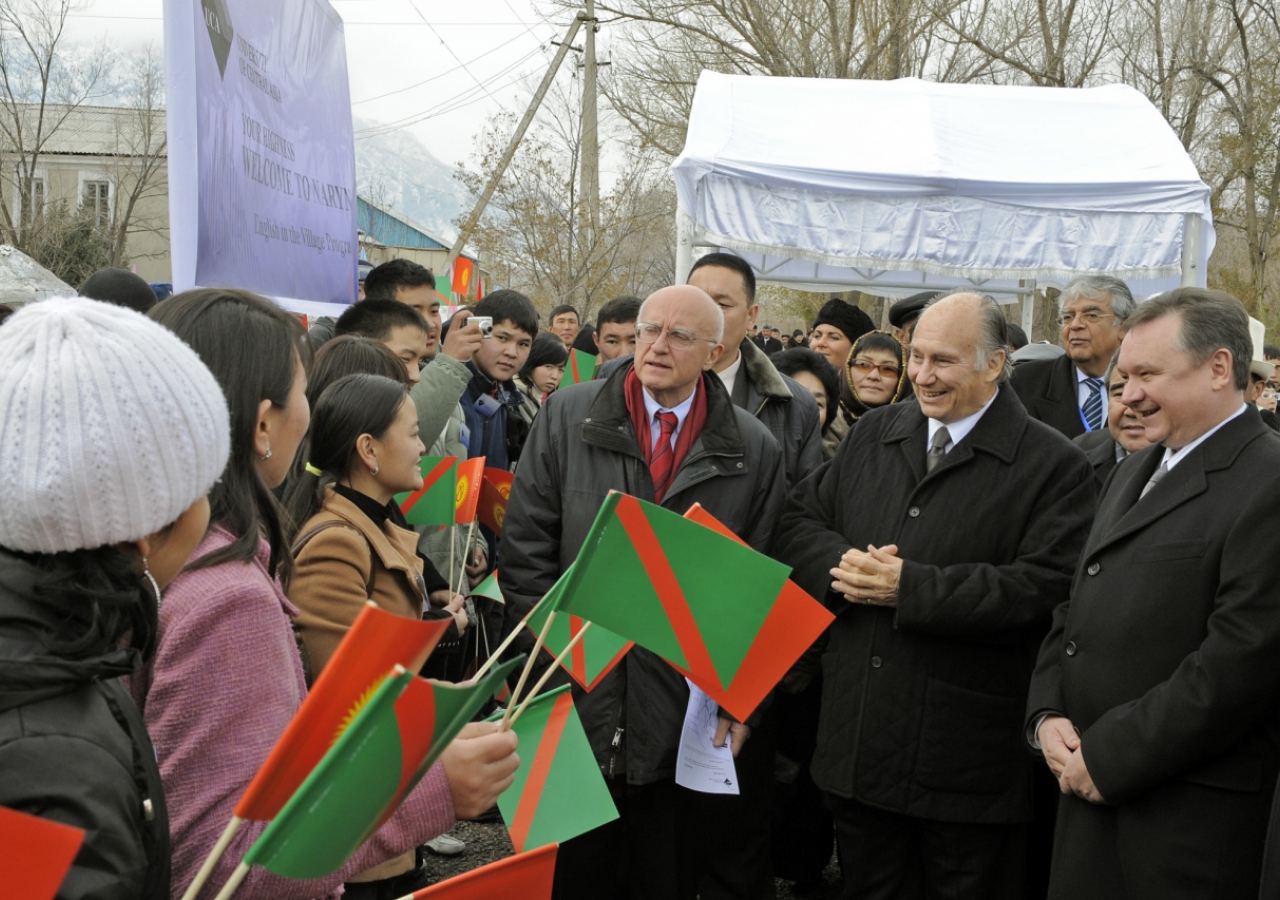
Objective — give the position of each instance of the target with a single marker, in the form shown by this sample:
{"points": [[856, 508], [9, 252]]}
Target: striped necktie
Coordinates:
{"points": [[1093, 405], [660, 467]]}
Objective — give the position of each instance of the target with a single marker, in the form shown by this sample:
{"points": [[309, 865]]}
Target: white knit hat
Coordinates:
{"points": [[110, 426]]}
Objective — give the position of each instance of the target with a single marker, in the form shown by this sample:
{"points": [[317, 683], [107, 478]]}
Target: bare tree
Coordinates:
{"points": [[42, 83], [139, 169]]}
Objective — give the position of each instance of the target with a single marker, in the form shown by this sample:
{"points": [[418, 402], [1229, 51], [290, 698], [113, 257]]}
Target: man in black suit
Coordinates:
{"points": [[942, 535], [1068, 393], [1124, 434], [771, 343], [1156, 693]]}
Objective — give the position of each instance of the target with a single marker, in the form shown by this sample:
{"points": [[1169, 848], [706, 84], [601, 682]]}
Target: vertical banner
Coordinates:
{"points": [[262, 179]]}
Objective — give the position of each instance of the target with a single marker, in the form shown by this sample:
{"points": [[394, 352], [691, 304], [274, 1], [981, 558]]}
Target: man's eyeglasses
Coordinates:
{"points": [[647, 333], [865, 366], [1088, 317]]}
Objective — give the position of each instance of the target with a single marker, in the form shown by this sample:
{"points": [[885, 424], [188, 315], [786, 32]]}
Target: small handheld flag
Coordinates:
{"points": [[493, 498], [467, 492], [581, 367], [433, 503], [559, 792], [489, 589], [35, 854], [700, 600], [528, 876], [594, 656]]}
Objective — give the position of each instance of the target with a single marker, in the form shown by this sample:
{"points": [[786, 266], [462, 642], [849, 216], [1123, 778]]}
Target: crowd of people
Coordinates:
{"points": [[1051, 673]]}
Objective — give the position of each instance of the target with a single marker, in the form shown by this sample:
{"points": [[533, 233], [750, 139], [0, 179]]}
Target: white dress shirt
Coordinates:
{"points": [[730, 375], [652, 407], [959, 430]]}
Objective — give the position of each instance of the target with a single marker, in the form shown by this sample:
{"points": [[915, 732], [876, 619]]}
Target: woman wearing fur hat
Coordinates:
{"points": [[227, 676], [112, 432]]}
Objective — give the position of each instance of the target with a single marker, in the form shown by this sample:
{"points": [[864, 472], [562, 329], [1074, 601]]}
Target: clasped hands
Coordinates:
{"points": [[870, 577], [1060, 744]]}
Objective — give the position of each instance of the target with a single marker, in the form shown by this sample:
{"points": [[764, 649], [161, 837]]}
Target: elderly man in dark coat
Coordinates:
{"points": [[942, 535], [1155, 696], [662, 428]]}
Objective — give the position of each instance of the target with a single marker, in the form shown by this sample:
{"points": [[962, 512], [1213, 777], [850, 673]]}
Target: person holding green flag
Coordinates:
{"points": [[662, 428]]}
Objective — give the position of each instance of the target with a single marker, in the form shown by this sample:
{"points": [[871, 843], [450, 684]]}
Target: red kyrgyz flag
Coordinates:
{"points": [[712, 607], [377, 642], [433, 503], [581, 367], [558, 792], [387, 747], [463, 269], [494, 494], [35, 854], [593, 657], [467, 495], [528, 876]]}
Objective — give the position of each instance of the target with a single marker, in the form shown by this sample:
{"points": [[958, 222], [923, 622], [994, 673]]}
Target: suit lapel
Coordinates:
{"points": [[1064, 395]]}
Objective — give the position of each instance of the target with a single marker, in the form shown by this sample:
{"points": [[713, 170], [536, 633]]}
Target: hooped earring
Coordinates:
{"points": [[146, 573], [265, 456]]}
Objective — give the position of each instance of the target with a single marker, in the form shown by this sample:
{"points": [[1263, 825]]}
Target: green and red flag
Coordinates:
{"points": [[35, 854], [489, 588], [433, 503], [467, 494], [494, 494], [385, 750], [559, 792], [581, 367], [594, 656], [702, 601], [376, 643], [528, 876]]}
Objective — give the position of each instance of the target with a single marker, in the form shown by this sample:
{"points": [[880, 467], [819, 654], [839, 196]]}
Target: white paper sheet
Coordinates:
{"points": [[700, 765]]}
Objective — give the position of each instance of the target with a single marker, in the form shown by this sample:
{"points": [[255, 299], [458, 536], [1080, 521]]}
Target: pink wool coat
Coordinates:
{"points": [[225, 681]]}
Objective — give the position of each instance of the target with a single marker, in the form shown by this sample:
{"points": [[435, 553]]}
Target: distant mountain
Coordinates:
{"points": [[398, 171]]}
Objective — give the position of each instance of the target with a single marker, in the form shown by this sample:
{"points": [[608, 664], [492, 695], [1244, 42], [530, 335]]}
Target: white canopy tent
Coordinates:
{"points": [[896, 187]]}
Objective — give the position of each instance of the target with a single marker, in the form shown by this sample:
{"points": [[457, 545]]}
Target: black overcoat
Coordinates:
{"points": [[1050, 391], [922, 704], [1167, 659]]}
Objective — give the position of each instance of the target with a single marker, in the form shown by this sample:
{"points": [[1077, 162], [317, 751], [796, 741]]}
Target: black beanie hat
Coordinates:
{"points": [[845, 316], [121, 287]]}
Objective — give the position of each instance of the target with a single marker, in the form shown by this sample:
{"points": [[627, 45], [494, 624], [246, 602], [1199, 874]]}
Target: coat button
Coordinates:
{"points": [[1094, 569], [1071, 648], [587, 419], [875, 662], [913, 512]]}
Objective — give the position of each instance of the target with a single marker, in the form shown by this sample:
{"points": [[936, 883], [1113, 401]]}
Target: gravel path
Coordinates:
{"points": [[486, 843]]}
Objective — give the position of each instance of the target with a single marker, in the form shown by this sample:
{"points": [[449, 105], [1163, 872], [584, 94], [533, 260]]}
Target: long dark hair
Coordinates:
{"points": [[98, 599], [252, 348], [350, 407], [546, 350]]}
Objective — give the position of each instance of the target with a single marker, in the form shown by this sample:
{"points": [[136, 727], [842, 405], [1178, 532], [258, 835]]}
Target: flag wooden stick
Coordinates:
{"points": [[453, 551], [547, 674], [496, 655], [214, 855], [233, 882], [528, 667], [466, 557]]}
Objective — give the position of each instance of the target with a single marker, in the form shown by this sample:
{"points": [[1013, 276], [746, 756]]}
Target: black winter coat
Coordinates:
{"points": [[581, 446], [73, 749], [1050, 391], [1167, 660], [922, 704]]}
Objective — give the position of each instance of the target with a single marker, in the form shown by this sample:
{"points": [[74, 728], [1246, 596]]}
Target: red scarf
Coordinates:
{"points": [[694, 422]]}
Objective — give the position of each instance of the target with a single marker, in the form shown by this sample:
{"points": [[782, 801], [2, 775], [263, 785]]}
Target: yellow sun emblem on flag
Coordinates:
{"points": [[361, 702], [461, 494], [505, 490], [499, 514]]}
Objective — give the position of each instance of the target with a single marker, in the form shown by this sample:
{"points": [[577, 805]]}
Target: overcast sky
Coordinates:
{"points": [[440, 68]]}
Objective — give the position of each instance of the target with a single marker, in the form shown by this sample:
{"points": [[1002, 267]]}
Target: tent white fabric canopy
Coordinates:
{"points": [[901, 186]]}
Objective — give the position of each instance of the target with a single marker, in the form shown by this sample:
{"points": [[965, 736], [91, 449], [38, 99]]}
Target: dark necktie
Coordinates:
{"points": [[1093, 405], [661, 466], [1155, 478], [938, 449]]}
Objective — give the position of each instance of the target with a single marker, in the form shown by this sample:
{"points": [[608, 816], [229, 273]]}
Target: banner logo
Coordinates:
{"points": [[218, 21]]}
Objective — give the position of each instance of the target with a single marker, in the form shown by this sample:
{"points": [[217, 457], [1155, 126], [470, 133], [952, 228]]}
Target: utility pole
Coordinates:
{"points": [[464, 234], [590, 175]]}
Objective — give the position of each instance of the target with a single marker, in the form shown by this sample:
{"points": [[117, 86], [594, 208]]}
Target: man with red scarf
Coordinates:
{"points": [[662, 428]]}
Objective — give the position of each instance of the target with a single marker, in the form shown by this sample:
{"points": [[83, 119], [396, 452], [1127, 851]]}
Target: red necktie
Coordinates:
{"points": [[660, 467]]}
